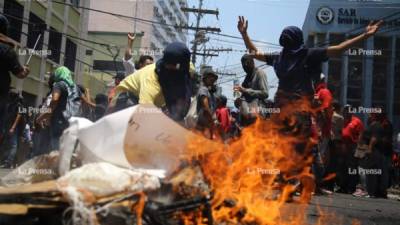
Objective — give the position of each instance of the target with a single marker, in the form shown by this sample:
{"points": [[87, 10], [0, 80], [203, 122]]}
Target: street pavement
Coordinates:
{"points": [[340, 209], [4, 172], [344, 209]]}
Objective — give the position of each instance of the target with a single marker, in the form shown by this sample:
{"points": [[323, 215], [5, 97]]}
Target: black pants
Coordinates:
{"points": [[347, 172], [378, 176]]}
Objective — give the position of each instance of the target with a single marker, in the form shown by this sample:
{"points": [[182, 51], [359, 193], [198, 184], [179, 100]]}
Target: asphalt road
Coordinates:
{"points": [[344, 209], [339, 209]]}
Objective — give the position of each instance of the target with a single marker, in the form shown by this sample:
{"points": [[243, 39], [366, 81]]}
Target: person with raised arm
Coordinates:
{"points": [[297, 66], [129, 66]]}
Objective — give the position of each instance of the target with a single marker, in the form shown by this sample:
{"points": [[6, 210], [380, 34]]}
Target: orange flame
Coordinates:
{"points": [[254, 177]]}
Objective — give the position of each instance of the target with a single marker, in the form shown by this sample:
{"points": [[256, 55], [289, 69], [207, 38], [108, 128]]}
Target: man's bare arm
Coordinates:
{"points": [[337, 50], [242, 27], [128, 50], [16, 122]]}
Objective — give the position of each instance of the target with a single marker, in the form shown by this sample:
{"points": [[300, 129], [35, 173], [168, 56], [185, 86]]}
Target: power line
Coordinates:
{"points": [[156, 22], [241, 76], [240, 38], [200, 36]]}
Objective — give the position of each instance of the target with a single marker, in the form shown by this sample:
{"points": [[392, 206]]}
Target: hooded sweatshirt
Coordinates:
{"points": [[296, 66]]}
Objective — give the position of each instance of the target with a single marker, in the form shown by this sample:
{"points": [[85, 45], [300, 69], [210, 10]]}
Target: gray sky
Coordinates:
{"points": [[266, 18]]}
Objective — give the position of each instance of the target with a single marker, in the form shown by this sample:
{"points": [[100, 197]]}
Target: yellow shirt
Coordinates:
{"points": [[143, 84]]}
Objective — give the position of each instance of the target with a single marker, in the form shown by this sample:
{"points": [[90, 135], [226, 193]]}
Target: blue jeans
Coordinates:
{"points": [[12, 147]]}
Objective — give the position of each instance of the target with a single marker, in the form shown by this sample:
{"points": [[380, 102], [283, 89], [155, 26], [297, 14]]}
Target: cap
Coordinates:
{"points": [[209, 72]]}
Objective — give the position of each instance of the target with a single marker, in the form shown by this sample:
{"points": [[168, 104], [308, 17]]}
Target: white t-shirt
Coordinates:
{"points": [[129, 66]]}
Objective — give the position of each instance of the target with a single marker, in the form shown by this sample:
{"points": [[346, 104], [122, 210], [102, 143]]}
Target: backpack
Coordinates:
{"points": [[73, 105]]}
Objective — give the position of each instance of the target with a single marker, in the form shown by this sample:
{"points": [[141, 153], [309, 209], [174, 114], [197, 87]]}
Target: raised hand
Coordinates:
{"points": [[373, 27], [131, 36], [242, 25]]}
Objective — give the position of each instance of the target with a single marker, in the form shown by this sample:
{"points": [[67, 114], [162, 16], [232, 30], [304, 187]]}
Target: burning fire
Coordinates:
{"points": [[254, 177]]}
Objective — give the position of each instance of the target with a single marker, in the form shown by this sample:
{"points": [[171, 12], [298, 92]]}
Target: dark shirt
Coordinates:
{"points": [[302, 78], [13, 109], [383, 137], [58, 116], [204, 92], [256, 86], [8, 63]]}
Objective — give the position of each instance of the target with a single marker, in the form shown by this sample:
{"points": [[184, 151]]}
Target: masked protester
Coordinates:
{"points": [[166, 84], [8, 63], [41, 134], [296, 66], [64, 92], [254, 90], [206, 103]]}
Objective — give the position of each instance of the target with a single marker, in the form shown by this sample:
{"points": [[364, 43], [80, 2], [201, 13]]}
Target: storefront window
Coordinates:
{"points": [[396, 110], [380, 71], [334, 82], [355, 77], [354, 88]]}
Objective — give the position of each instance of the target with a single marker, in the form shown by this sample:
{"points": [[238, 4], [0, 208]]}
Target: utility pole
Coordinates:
{"points": [[200, 31], [214, 50], [134, 23], [209, 51]]}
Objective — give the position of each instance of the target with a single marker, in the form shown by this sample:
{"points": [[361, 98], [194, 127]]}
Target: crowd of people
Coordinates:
{"points": [[364, 158]]}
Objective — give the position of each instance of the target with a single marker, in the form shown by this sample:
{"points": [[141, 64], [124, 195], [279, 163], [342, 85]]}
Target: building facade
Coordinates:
{"points": [[367, 76], [155, 23], [59, 27]]}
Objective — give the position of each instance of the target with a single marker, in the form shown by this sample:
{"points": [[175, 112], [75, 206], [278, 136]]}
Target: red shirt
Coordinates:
{"points": [[223, 118], [352, 130], [324, 95]]}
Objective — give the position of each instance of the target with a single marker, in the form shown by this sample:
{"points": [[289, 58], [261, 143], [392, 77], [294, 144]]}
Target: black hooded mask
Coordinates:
{"points": [[175, 84], [293, 52]]}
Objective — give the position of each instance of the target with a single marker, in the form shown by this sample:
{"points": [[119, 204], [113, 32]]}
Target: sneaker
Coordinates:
{"points": [[360, 193], [326, 191], [357, 192]]}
